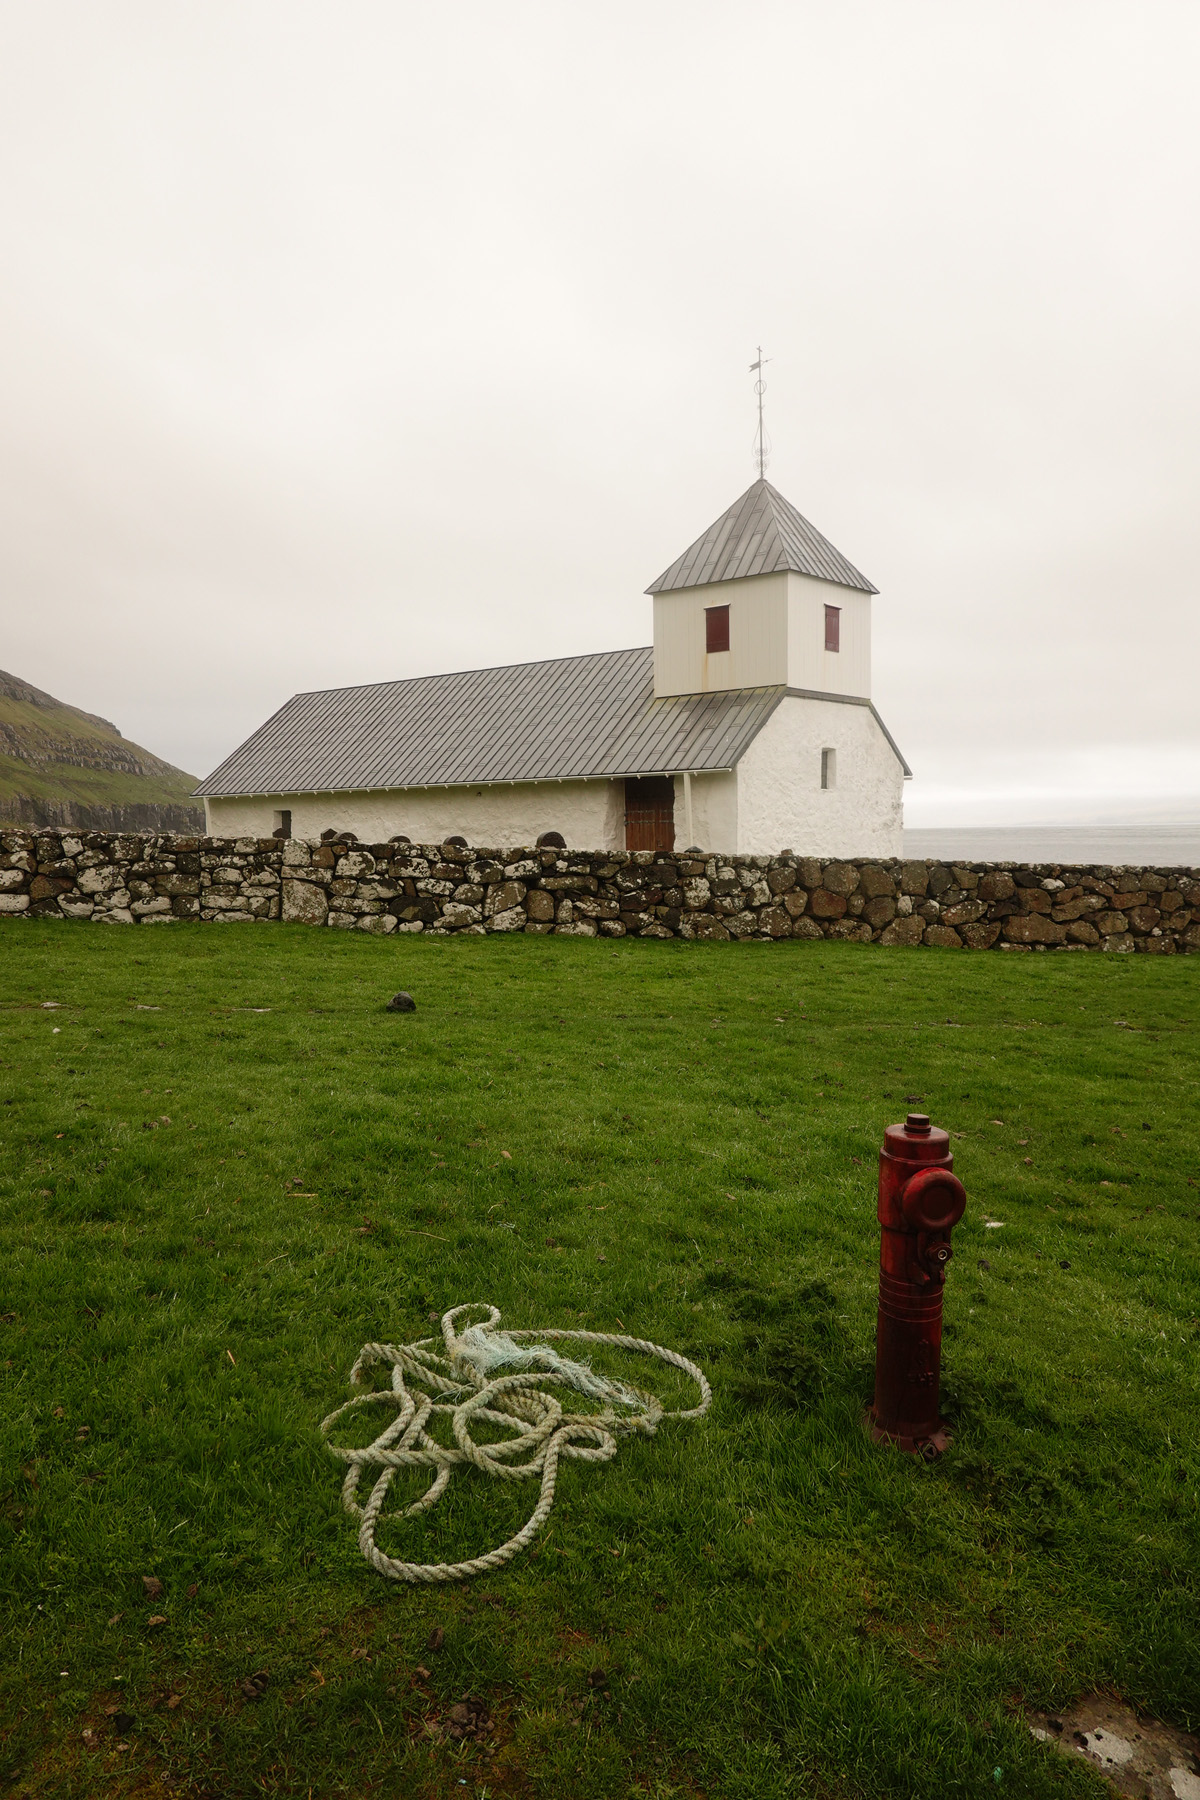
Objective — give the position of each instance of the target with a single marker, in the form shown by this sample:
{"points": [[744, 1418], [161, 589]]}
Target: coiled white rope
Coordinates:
{"points": [[463, 1384]]}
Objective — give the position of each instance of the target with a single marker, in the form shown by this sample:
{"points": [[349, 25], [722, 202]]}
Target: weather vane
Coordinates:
{"points": [[761, 447]]}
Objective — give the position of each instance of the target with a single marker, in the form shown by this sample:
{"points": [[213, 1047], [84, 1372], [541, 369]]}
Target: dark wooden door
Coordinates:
{"points": [[650, 813]]}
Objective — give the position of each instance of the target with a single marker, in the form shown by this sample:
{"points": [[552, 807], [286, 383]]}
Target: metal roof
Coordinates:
{"points": [[759, 535], [575, 717]]}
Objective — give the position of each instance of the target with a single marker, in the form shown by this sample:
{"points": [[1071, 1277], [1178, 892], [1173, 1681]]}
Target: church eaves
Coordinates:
{"points": [[761, 534]]}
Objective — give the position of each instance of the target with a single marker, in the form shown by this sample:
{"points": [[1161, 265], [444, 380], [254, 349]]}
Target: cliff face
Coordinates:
{"points": [[60, 766]]}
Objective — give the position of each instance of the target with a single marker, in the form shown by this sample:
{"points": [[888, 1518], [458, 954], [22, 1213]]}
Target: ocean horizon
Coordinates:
{"points": [[1151, 845]]}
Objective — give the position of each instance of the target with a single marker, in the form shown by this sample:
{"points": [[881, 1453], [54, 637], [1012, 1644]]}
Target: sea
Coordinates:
{"points": [[1149, 845]]}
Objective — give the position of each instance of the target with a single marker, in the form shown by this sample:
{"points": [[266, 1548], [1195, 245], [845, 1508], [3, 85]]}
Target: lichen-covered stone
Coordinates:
{"points": [[881, 911], [1034, 928], [965, 913], [304, 904], [904, 931], [979, 937], [806, 928], [875, 882], [504, 896], [839, 878], [455, 916], [698, 925], [851, 930]]}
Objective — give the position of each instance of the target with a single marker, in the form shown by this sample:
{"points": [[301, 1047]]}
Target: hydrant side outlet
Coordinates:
{"points": [[920, 1202]]}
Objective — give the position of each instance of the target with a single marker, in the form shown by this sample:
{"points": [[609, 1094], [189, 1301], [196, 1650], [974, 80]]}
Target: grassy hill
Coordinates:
{"points": [[61, 766]]}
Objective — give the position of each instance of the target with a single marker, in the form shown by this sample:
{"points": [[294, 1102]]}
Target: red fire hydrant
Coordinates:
{"points": [[920, 1202]]}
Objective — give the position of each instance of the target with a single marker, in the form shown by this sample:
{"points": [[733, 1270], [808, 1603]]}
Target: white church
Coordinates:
{"points": [[747, 726]]}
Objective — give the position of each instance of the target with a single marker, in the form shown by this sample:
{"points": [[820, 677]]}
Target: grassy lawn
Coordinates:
{"points": [[225, 1167]]}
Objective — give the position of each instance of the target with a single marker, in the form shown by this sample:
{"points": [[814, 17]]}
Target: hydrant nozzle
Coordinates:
{"points": [[920, 1202]]}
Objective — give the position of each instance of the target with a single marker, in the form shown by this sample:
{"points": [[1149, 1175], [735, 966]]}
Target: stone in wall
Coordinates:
{"points": [[303, 903]]}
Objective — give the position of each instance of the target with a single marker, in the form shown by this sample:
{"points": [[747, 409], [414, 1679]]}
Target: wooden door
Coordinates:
{"points": [[650, 813]]}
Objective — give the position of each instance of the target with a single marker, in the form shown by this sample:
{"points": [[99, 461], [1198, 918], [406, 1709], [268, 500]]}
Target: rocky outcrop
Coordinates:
{"points": [[441, 889], [140, 816], [62, 767]]}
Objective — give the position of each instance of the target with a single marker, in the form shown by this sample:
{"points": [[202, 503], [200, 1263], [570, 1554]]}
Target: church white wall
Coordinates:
{"points": [[780, 801], [714, 812], [809, 664], [589, 814], [758, 624]]}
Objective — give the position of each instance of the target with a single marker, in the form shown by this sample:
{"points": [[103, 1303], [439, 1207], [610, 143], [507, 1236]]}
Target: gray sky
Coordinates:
{"points": [[342, 343]]}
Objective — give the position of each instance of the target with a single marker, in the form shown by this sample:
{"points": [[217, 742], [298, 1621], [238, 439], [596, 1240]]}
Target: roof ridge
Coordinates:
{"points": [[537, 662]]}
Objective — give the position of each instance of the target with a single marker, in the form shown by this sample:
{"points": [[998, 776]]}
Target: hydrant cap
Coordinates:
{"points": [[933, 1200], [917, 1141]]}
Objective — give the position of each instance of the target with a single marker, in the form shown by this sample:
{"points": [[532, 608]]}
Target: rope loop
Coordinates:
{"points": [[503, 1379]]}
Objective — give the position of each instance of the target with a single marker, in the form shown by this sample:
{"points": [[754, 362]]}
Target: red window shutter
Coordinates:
{"points": [[716, 629], [833, 627]]}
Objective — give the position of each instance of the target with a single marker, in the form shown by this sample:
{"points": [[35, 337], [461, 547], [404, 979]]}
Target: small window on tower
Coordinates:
{"points": [[716, 629], [833, 627], [829, 768], [283, 824]]}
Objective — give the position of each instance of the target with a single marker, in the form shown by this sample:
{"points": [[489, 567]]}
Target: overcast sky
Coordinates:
{"points": [[346, 342]]}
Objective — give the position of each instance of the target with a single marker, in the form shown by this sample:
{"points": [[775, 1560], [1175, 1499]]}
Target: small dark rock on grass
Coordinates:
{"points": [[467, 1719], [402, 1002]]}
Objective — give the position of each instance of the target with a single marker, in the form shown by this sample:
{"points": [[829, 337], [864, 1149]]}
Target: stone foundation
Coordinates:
{"points": [[445, 888]]}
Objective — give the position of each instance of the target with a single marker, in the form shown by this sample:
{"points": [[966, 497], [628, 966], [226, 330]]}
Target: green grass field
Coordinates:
{"points": [[225, 1167]]}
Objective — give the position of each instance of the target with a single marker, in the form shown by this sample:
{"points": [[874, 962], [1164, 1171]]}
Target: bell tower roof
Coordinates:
{"points": [[760, 534]]}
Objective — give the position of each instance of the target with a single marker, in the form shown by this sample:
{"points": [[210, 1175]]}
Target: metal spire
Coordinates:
{"points": [[761, 447]]}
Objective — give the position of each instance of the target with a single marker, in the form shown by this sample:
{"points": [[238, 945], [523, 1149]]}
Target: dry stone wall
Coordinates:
{"points": [[447, 888]]}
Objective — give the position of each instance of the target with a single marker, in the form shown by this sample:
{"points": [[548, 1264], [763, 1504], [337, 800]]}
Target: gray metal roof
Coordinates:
{"points": [[759, 535], [575, 717]]}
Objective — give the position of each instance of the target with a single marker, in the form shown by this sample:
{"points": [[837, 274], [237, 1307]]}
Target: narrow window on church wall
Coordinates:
{"points": [[833, 627], [716, 629], [829, 766]]}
